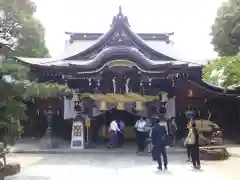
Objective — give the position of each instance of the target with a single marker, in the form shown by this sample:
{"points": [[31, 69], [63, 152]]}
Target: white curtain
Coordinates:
{"points": [[170, 108], [69, 109]]}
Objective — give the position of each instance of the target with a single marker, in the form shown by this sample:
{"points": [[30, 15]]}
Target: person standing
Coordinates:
{"points": [[192, 141], [159, 136], [141, 134], [113, 130]]}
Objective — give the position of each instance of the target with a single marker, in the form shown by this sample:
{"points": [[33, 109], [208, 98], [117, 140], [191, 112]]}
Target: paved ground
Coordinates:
{"points": [[77, 166], [32, 146]]}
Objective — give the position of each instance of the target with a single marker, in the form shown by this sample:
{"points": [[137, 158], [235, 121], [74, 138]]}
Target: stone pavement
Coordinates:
{"points": [[32, 146], [78, 166]]}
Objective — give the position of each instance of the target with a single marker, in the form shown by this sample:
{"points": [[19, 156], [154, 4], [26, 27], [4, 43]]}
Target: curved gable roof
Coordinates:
{"points": [[120, 33]]}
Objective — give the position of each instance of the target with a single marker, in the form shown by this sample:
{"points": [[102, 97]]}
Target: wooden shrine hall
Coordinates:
{"points": [[131, 72]]}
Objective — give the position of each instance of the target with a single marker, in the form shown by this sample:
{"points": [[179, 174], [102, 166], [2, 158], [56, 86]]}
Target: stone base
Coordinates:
{"points": [[49, 141], [2, 176], [11, 169], [211, 153], [87, 145], [238, 140]]}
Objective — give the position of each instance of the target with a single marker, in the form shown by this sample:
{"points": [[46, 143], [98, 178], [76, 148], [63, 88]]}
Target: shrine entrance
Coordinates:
{"points": [[100, 124]]}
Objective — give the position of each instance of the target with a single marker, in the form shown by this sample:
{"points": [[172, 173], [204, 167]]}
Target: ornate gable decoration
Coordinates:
{"points": [[120, 63], [120, 38]]}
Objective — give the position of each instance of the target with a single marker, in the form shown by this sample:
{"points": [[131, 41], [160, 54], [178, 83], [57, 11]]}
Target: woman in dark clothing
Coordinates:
{"points": [[192, 141], [195, 151]]}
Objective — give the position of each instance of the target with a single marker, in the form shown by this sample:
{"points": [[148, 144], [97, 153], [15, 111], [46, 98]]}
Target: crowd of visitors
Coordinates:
{"points": [[154, 137]]}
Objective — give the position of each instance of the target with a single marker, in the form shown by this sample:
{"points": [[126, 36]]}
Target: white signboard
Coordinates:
{"points": [[77, 141]]}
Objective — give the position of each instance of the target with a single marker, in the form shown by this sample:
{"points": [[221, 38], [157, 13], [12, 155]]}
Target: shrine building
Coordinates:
{"points": [[126, 75]]}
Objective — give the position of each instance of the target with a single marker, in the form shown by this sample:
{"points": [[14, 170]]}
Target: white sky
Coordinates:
{"points": [[191, 21]]}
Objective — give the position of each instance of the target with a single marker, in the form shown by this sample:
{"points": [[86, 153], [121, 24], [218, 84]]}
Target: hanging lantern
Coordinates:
{"points": [[75, 97], [120, 106], [163, 96], [103, 106], [139, 106], [190, 93]]}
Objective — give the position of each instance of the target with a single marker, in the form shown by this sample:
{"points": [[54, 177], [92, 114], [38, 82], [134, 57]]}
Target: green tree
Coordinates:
{"points": [[15, 90], [30, 32], [21, 35], [226, 29], [224, 71]]}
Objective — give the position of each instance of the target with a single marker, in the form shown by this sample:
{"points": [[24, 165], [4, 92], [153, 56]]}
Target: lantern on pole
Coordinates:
{"points": [[120, 106], [190, 93], [75, 97], [163, 96], [103, 106], [139, 106]]}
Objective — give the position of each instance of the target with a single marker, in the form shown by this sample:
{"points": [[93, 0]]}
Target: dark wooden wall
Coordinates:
{"points": [[224, 109]]}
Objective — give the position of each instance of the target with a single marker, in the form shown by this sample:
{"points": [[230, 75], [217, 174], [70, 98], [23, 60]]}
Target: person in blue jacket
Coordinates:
{"points": [[159, 142]]}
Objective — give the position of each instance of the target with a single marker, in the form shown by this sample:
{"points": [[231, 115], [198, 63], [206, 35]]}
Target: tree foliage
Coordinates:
{"points": [[9, 27], [15, 90], [26, 31], [226, 29], [20, 35], [224, 71]]}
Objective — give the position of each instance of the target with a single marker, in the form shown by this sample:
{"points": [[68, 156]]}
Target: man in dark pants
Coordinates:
{"points": [[159, 136], [141, 133]]}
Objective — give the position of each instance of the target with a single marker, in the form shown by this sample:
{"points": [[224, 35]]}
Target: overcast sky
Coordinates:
{"points": [[191, 21]]}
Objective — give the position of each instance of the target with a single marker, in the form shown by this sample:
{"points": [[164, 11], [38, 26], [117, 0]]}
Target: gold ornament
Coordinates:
{"points": [[139, 106], [103, 106], [120, 106]]}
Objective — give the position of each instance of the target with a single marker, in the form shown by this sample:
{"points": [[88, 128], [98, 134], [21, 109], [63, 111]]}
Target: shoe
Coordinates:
{"points": [[159, 167], [165, 168], [195, 167]]}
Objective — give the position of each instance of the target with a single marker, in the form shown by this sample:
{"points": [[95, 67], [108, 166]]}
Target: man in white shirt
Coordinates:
{"points": [[114, 126], [113, 129], [141, 133]]}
